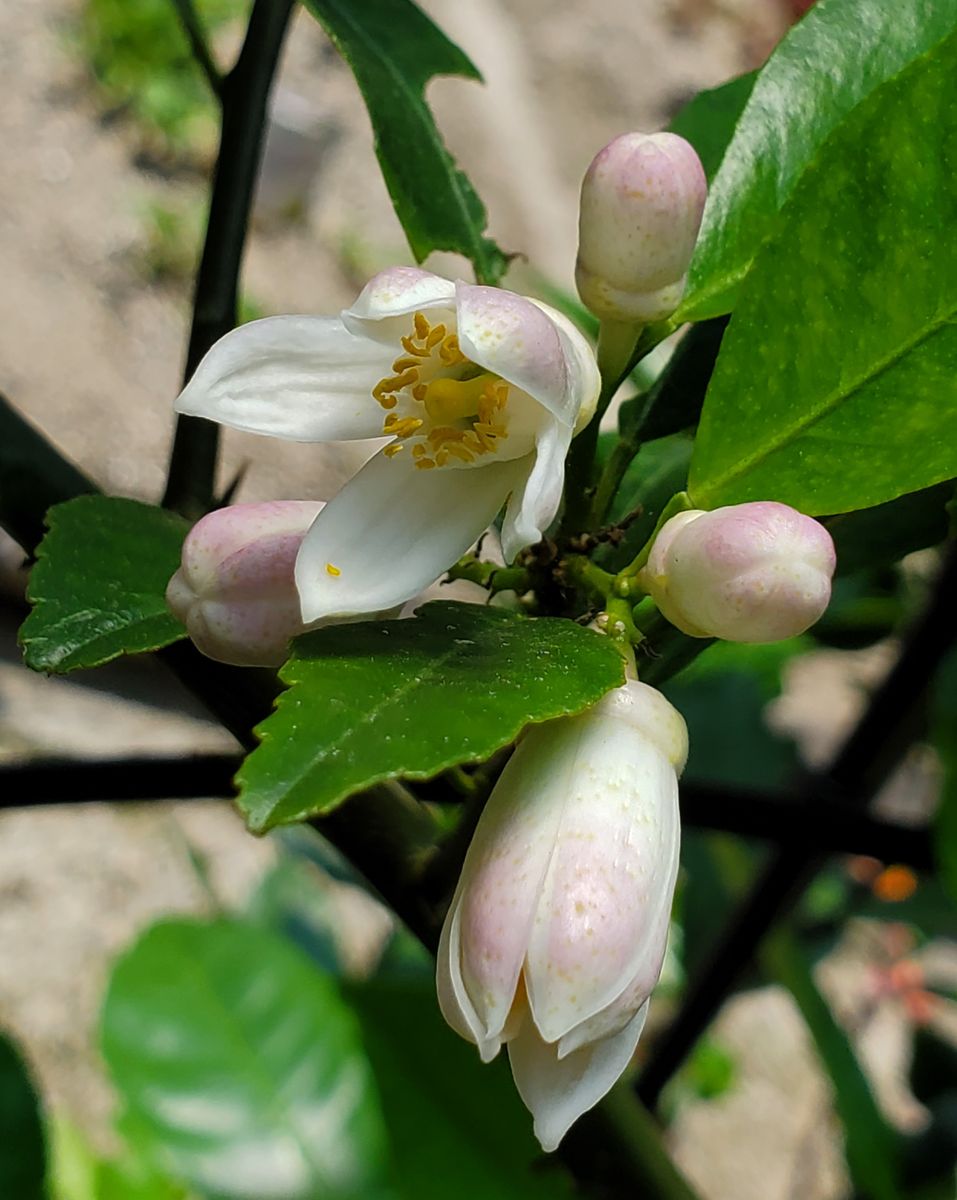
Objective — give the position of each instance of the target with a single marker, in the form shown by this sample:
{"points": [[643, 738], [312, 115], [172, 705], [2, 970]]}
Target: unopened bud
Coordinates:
{"points": [[641, 206], [556, 934], [235, 590], [754, 572]]}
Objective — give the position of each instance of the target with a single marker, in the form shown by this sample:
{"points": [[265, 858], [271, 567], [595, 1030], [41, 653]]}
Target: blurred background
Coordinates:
{"points": [[106, 138]]}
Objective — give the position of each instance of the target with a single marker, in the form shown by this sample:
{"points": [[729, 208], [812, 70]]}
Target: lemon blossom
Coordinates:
{"points": [[556, 933], [235, 588], [479, 391], [755, 572]]}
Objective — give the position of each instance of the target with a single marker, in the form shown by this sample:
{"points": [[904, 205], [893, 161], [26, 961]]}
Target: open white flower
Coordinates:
{"points": [[556, 933], [479, 389]]}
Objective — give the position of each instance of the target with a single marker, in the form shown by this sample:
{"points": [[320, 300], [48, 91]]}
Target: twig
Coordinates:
{"points": [[193, 28], [829, 827], [245, 94]]}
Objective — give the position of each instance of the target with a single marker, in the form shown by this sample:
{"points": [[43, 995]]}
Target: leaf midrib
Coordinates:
{"points": [[826, 406]]}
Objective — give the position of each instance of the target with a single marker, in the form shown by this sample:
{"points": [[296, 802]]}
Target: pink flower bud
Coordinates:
{"points": [[641, 206], [556, 933], [235, 589], [755, 572]]}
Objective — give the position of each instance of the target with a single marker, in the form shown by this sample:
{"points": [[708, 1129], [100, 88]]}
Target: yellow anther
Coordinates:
{"points": [[422, 326], [459, 451], [393, 450], [435, 336], [331, 570], [449, 351], [387, 401], [425, 464], [441, 458], [407, 362], [390, 421], [412, 348], [419, 449], [473, 443], [445, 433], [405, 426], [496, 431], [418, 392]]}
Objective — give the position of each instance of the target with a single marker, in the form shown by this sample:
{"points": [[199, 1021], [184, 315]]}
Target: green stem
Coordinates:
{"points": [[193, 28], [490, 575], [585, 574], [190, 487], [680, 502], [610, 480]]}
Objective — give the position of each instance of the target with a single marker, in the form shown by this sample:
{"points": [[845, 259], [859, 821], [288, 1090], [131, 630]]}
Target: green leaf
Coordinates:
{"points": [[22, 1151], [33, 476], [479, 1140], [871, 1145], [708, 121], [836, 385], [827, 64], [880, 536], [394, 50], [241, 1066], [98, 586], [387, 699]]}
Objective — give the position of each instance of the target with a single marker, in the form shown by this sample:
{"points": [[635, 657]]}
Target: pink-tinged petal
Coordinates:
{"points": [[305, 379], [557, 1091], [534, 504], [503, 872], [756, 572], [235, 590], [457, 1008], [381, 308], [517, 339], [602, 917], [583, 373], [391, 531]]}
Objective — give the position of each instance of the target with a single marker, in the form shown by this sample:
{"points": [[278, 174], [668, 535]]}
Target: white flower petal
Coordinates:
{"points": [[393, 294], [525, 344], [534, 504], [306, 379], [503, 873], [584, 376], [557, 1091], [457, 1008], [391, 531], [602, 917]]}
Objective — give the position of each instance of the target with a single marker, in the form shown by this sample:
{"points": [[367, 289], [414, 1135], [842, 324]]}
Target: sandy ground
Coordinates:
{"points": [[93, 356]]}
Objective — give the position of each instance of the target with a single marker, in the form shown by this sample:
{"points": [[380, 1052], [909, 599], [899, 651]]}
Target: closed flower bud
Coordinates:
{"points": [[235, 590], [556, 933], [755, 572], [641, 205]]}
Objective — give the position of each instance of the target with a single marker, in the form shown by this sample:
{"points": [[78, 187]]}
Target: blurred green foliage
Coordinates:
{"points": [[142, 62]]}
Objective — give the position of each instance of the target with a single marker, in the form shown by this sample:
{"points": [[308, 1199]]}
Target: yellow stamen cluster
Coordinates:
{"points": [[479, 401]]}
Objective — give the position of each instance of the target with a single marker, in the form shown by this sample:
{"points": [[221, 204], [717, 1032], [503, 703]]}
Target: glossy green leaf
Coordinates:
{"points": [[871, 1145], [709, 120], [386, 699], [479, 1141], [880, 536], [33, 476], [394, 50], [836, 385], [825, 66], [98, 587], [241, 1067], [22, 1149]]}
